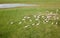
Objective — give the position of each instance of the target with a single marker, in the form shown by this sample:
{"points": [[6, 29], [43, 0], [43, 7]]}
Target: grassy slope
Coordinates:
{"points": [[30, 1], [17, 31]]}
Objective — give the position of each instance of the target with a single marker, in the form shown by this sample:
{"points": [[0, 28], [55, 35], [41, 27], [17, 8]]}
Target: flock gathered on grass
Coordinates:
{"points": [[36, 20]]}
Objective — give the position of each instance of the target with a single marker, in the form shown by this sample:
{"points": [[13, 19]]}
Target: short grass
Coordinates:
{"points": [[30, 1], [16, 30]]}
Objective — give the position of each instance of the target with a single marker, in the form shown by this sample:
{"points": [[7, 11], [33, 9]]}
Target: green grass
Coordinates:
{"points": [[15, 30], [30, 1], [18, 31]]}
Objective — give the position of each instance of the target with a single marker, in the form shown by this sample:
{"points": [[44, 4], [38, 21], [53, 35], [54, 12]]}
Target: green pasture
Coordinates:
{"points": [[15, 30]]}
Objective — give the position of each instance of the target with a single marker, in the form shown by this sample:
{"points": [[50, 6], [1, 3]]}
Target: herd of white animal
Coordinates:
{"points": [[46, 18]]}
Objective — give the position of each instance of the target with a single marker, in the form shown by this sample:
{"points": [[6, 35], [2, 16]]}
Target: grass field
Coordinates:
{"points": [[10, 18], [29, 1]]}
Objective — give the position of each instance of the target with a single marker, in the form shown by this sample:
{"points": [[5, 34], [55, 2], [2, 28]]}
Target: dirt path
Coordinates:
{"points": [[15, 5], [12, 5]]}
